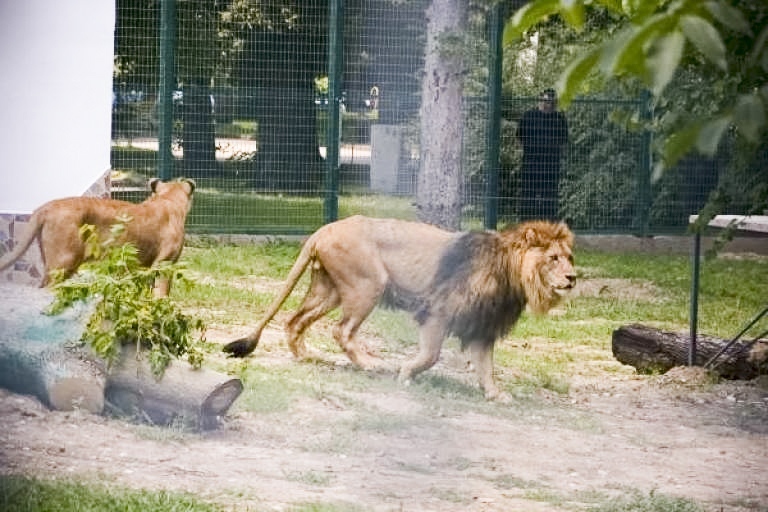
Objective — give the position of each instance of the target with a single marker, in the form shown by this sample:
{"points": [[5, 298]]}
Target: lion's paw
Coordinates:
{"points": [[498, 396]]}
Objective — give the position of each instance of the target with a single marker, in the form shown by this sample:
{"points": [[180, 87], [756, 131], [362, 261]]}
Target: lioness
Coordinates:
{"points": [[474, 285], [156, 228]]}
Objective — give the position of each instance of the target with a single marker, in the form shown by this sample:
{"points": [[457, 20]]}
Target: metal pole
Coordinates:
{"points": [[493, 134], [331, 209], [695, 260], [165, 105], [644, 170]]}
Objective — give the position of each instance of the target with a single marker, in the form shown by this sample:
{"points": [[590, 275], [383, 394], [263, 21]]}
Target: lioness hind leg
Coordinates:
{"points": [[431, 337], [61, 250], [319, 300]]}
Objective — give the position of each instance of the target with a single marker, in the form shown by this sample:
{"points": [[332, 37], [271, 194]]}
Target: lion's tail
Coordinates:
{"points": [[246, 345], [35, 226]]}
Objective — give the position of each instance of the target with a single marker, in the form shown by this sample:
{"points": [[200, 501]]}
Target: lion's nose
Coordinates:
{"points": [[571, 279]]}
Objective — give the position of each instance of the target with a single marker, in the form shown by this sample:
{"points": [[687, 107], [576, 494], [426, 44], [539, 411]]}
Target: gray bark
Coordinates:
{"points": [[439, 185]]}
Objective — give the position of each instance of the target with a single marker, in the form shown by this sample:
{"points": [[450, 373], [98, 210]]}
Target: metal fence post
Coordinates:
{"points": [[493, 130], [331, 209], [694, 318], [165, 105], [642, 214]]}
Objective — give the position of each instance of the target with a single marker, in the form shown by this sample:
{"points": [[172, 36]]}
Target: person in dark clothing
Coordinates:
{"points": [[543, 133]]}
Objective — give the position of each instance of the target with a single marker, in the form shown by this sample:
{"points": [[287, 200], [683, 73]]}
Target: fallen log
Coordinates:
{"points": [[652, 350], [187, 397], [41, 355]]}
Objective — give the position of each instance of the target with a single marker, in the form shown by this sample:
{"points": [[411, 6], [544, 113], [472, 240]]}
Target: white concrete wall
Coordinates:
{"points": [[56, 62]]}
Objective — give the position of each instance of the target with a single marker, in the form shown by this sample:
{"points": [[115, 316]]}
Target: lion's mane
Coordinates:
{"points": [[481, 285]]}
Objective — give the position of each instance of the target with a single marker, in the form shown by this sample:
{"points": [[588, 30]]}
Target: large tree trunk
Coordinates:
{"points": [[439, 185], [280, 62], [288, 158]]}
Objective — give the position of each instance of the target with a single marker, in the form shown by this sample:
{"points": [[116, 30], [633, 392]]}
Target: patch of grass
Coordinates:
{"points": [[223, 211], [22, 494], [507, 481], [272, 389], [271, 259], [450, 495], [651, 502], [316, 478], [433, 385], [730, 289], [238, 282], [397, 327]]}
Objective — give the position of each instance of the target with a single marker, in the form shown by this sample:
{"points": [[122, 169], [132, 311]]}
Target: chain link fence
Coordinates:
{"points": [[250, 116]]}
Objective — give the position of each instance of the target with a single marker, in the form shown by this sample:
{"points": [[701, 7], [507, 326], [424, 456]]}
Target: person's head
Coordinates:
{"points": [[547, 100]]}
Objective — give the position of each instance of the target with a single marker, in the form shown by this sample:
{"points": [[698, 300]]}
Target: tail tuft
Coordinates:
{"points": [[239, 348]]}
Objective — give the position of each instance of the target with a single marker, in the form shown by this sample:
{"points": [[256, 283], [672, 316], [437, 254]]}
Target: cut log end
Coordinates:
{"points": [[221, 398], [196, 399]]}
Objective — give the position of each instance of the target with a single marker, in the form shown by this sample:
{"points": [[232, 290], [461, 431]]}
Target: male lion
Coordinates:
{"points": [[474, 285], [155, 227]]}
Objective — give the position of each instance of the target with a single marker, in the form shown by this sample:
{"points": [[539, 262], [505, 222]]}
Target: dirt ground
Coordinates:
{"points": [[604, 438]]}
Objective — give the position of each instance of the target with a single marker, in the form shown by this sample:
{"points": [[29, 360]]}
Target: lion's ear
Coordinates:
{"points": [[191, 184], [153, 183], [564, 232]]}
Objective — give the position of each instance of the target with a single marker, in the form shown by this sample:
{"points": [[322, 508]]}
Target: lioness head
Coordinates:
{"points": [[546, 254], [182, 189]]}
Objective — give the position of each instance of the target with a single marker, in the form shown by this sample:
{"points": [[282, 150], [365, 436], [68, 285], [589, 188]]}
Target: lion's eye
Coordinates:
{"points": [[553, 257]]}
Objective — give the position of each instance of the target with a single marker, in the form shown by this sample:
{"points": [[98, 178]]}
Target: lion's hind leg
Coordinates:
{"points": [[345, 334], [321, 298], [61, 250], [356, 306]]}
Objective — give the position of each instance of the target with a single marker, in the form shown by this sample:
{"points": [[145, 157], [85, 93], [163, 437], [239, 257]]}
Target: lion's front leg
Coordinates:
{"points": [[431, 337], [481, 353]]}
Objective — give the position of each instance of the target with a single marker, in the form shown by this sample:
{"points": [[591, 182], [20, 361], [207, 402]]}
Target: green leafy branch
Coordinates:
{"points": [[650, 46], [125, 309]]}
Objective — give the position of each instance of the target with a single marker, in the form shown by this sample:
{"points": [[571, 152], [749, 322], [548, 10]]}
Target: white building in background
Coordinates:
{"points": [[56, 96]]}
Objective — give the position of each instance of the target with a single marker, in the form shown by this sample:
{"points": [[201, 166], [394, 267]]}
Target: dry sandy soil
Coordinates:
{"points": [[665, 434]]}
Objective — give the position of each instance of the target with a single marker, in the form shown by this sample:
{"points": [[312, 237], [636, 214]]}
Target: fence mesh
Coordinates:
{"points": [[251, 122]]}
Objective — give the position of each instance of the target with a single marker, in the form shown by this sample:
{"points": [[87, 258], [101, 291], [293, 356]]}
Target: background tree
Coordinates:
{"points": [[439, 185], [196, 69], [280, 48], [722, 43]]}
